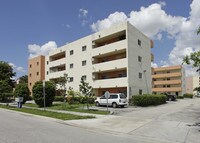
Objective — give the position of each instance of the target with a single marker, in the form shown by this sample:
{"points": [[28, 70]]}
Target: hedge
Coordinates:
{"points": [[180, 97], [59, 98], [187, 95], [147, 100]]}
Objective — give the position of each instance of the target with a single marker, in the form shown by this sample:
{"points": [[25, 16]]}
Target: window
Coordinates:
{"points": [[71, 66], [37, 63], [83, 63], [104, 77], [47, 62], [140, 91], [30, 74], [84, 48], [168, 78], [71, 52], [163, 85], [37, 73], [139, 42], [113, 96], [71, 79], [139, 59], [84, 77], [30, 66], [168, 85], [47, 72], [140, 75], [120, 75], [168, 71], [30, 83]]}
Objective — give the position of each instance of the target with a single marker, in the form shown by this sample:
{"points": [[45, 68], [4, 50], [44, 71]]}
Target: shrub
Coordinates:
{"points": [[180, 97], [5, 91], [59, 98], [49, 93], [148, 99], [187, 95], [22, 90]]}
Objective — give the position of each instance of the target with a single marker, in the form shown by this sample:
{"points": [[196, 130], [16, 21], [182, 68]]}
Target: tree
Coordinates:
{"points": [[23, 79], [193, 59], [198, 31], [5, 91], [86, 90], [6, 73], [62, 81], [22, 90], [49, 93]]}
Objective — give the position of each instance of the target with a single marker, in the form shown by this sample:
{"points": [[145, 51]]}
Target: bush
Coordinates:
{"points": [[180, 97], [187, 95], [37, 91], [59, 98], [22, 90], [148, 99]]}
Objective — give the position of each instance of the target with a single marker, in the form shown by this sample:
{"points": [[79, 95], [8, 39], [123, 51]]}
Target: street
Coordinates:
{"points": [[168, 123]]}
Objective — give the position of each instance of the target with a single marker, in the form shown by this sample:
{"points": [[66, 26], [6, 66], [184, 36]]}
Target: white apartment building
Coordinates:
{"points": [[115, 60]]}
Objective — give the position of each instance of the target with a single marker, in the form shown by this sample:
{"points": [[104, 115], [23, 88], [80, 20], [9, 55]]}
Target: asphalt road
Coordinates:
{"points": [[17, 127]]}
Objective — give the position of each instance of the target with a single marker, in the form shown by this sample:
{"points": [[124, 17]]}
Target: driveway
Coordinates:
{"points": [[171, 122]]}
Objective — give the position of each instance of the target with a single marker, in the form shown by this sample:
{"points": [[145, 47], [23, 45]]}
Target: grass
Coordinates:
{"points": [[56, 115], [73, 107]]}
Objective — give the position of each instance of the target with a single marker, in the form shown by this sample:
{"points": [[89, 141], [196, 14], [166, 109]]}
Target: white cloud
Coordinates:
{"points": [[83, 15], [154, 65], [36, 50], [17, 68], [153, 21], [68, 26]]}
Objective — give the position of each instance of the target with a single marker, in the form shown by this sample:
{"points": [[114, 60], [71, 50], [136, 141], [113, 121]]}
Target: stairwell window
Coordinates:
{"points": [[84, 77], [139, 42], [84, 48], [71, 79], [139, 59], [140, 75], [71, 52], [83, 63], [140, 91], [71, 66]]}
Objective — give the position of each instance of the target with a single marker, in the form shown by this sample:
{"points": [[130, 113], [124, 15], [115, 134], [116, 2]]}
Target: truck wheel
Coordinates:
{"points": [[97, 104], [114, 105]]}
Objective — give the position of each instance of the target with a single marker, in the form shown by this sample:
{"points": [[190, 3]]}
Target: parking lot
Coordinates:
{"points": [[171, 122]]}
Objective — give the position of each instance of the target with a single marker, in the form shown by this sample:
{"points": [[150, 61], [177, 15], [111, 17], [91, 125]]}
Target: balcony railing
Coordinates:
{"points": [[110, 65], [167, 82], [169, 89], [109, 83], [167, 75], [120, 45], [57, 62]]}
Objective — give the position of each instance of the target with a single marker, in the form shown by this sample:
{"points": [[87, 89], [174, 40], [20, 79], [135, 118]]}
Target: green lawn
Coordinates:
{"points": [[61, 116], [73, 107]]}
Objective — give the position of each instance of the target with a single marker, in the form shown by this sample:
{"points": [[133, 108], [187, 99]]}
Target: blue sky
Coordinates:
{"points": [[28, 26]]}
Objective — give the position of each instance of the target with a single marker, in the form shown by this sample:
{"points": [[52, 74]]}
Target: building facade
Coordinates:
{"points": [[192, 83], [115, 60], [36, 71], [168, 79]]}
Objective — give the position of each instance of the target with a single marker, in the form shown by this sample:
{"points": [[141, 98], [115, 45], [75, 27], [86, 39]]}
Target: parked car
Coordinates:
{"points": [[115, 100], [198, 94], [170, 97]]}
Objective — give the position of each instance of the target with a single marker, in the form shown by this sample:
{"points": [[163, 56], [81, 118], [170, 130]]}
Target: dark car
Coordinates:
{"points": [[170, 97]]}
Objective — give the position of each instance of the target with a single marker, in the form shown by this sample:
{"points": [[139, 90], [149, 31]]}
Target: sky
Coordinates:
{"points": [[33, 27]]}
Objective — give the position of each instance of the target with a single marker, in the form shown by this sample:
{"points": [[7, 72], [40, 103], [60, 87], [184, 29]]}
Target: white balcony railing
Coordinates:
{"points": [[56, 74], [120, 45], [109, 83], [57, 62], [110, 65]]}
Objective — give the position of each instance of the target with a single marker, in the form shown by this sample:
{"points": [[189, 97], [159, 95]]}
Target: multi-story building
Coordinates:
{"points": [[168, 79], [115, 60], [36, 71], [192, 83]]}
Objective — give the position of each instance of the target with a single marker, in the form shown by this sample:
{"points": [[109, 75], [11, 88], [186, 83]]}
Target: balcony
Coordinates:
{"points": [[171, 68], [57, 62], [111, 65], [170, 89], [109, 83], [167, 75], [56, 74], [110, 48], [167, 82]]}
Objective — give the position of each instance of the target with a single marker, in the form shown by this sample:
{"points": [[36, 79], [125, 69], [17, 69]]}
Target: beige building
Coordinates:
{"points": [[116, 60], [36, 71], [192, 83], [168, 79]]}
